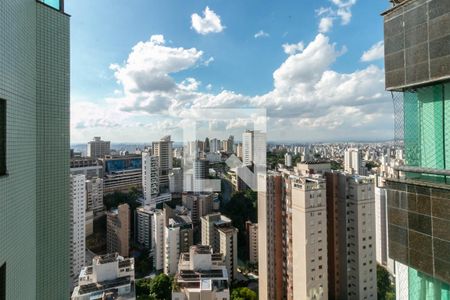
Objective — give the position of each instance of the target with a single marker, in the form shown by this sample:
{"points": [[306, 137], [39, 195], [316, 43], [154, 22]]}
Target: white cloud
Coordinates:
{"points": [[342, 10], [307, 66], [261, 34], [374, 53], [209, 23], [189, 84], [292, 49], [325, 24], [309, 100], [208, 61]]}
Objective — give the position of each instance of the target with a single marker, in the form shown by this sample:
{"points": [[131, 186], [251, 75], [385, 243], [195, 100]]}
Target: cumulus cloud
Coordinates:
{"points": [[292, 49], [374, 53], [261, 34], [209, 23], [307, 93]]}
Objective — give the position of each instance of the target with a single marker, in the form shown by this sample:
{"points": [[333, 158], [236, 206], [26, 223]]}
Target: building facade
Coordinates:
{"points": [[163, 150], [94, 194], [417, 72], [34, 125], [150, 178], [77, 226], [118, 230], [98, 148]]}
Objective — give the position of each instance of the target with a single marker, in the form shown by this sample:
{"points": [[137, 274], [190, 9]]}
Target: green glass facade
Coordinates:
{"points": [[34, 197]]}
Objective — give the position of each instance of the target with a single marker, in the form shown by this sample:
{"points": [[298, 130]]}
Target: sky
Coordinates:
{"points": [[307, 71]]}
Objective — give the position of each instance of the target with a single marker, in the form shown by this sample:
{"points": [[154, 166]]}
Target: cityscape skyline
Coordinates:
{"points": [[181, 68]]}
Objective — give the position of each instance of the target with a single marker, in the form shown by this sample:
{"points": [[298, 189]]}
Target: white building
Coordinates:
{"points": [[150, 178], [110, 277], [201, 275], [77, 226], [254, 148], [361, 246], [309, 238], [98, 148], [353, 162], [94, 191], [288, 160]]}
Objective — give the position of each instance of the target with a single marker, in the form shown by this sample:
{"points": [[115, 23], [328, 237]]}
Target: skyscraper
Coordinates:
{"points": [[34, 125], [150, 178], [163, 150], [417, 59], [270, 236]]}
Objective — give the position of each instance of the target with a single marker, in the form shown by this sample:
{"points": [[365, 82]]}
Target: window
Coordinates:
{"points": [[3, 282], [2, 137]]}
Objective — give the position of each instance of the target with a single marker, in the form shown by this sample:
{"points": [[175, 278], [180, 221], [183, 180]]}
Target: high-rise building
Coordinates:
{"points": [[361, 264], [176, 181], [150, 178], [77, 226], [351, 248], [417, 73], [109, 277], [179, 236], [34, 149], [118, 230], [288, 160], [201, 275], [94, 194], [199, 204], [239, 151], [228, 247], [200, 174], [98, 148], [163, 150], [353, 162], [252, 234], [218, 232], [254, 148], [309, 238], [270, 236]]}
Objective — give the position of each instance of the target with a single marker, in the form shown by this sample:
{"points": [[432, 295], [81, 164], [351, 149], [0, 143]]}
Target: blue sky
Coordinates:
{"points": [[229, 67]]}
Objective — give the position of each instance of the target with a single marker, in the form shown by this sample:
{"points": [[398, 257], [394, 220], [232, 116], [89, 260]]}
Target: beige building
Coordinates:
{"points": [[163, 150], [309, 238], [199, 204], [252, 234], [118, 230], [98, 148], [218, 232]]}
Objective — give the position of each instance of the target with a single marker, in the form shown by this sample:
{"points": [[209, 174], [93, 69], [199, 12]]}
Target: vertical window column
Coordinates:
{"points": [[2, 137]]}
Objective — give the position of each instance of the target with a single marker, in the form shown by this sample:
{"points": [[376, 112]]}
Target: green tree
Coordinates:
{"points": [[385, 288], [161, 287], [143, 288], [243, 293], [242, 208]]}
